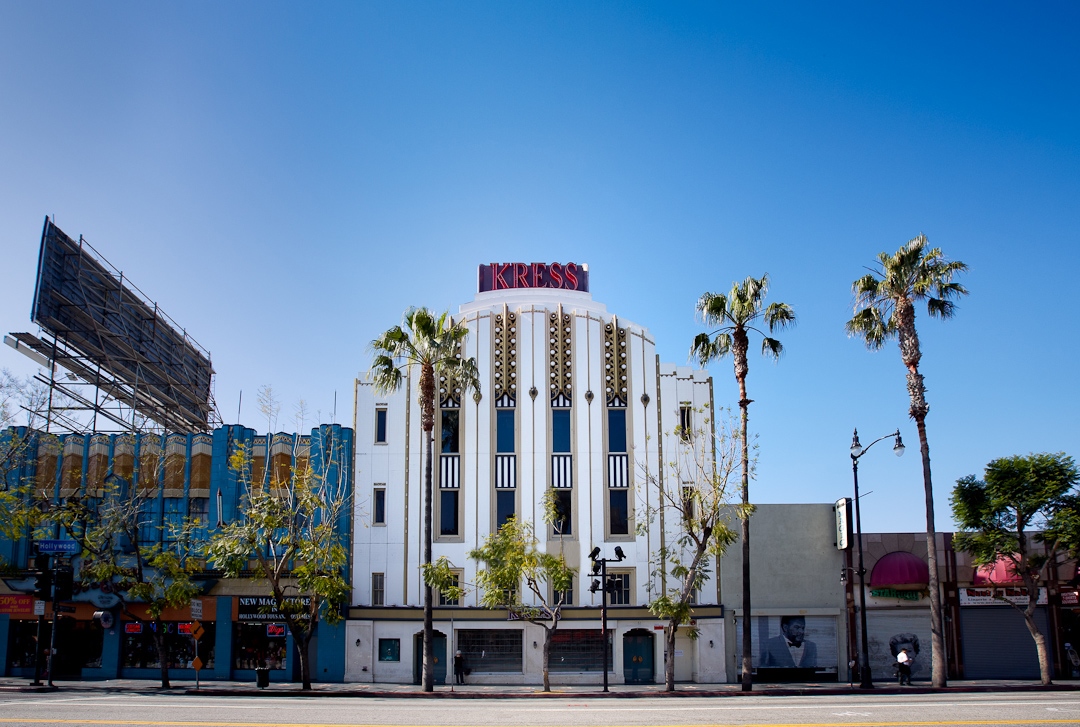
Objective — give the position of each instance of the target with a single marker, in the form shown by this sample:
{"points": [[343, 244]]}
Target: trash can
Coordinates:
{"points": [[262, 677]]}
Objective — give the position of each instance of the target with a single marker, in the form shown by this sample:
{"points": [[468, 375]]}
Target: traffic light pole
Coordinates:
{"points": [[37, 653], [52, 634]]}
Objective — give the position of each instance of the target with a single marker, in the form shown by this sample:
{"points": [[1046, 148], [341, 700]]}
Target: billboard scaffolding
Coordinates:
{"points": [[128, 363]]}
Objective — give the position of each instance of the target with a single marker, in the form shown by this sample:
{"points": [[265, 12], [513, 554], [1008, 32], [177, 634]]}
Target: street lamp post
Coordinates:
{"points": [[866, 679], [604, 586]]}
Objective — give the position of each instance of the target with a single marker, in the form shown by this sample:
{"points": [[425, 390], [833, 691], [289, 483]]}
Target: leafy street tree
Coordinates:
{"points": [[735, 316], [432, 344], [510, 557], [141, 567], [293, 534], [885, 300], [704, 464], [1024, 511]]}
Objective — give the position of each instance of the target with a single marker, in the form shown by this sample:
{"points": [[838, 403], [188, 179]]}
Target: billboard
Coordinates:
{"points": [[793, 648], [105, 325]]}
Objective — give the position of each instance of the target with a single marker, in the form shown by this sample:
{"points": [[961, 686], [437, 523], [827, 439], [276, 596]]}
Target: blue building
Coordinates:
{"points": [[178, 476]]}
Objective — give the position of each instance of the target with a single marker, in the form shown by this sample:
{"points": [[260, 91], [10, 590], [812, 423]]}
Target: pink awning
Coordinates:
{"points": [[900, 570], [999, 573]]}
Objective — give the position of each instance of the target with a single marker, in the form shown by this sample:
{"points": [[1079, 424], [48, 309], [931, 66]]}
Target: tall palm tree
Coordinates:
{"points": [[885, 301], [735, 316], [432, 345]]}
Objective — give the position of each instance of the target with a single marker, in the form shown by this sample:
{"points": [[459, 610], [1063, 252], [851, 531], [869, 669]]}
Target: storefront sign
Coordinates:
{"points": [[275, 629], [15, 603], [1016, 595], [132, 627], [1069, 598], [510, 276], [893, 593], [255, 609]]}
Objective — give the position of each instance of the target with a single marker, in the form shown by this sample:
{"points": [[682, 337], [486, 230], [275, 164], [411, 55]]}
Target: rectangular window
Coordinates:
{"points": [[620, 588], [491, 650], [579, 650], [560, 430], [379, 506], [449, 431], [380, 427], [448, 512], [505, 506], [444, 601], [504, 430], [689, 500], [616, 430], [686, 421], [378, 589], [618, 512], [564, 512], [567, 595], [389, 649]]}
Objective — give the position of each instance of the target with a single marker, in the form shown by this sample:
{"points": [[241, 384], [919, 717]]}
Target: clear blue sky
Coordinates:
{"points": [[284, 179]]}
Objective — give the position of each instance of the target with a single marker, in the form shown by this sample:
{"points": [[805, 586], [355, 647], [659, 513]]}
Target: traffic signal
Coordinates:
{"points": [[63, 582], [43, 579]]}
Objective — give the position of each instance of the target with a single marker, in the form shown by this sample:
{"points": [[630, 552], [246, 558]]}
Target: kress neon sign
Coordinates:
{"points": [[510, 276]]}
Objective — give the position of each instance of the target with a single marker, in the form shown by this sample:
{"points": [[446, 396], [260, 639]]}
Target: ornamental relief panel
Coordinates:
{"points": [[560, 336], [504, 352], [615, 360]]}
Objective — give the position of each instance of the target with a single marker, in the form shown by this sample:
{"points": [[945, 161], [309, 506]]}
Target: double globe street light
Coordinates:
{"points": [[866, 679]]}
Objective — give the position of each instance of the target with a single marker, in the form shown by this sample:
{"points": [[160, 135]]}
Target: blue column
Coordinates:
{"points": [[223, 657], [330, 664], [111, 642]]}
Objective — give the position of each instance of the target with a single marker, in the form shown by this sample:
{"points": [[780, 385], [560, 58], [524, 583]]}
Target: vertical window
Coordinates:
{"points": [[379, 506], [505, 506], [560, 430], [504, 430], [616, 430], [620, 588], [444, 601], [563, 524], [618, 512], [449, 431], [378, 589], [689, 500], [389, 649], [448, 512], [567, 595], [686, 421], [380, 425]]}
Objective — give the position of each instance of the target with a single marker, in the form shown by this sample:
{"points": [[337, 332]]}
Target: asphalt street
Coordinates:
{"points": [[871, 710]]}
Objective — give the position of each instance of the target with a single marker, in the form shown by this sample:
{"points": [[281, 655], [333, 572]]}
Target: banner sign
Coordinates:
{"points": [[893, 593], [12, 603], [260, 609], [511, 276], [1016, 595]]}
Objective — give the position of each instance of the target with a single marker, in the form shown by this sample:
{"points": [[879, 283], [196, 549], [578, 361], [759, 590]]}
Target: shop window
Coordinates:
{"points": [[259, 645], [389, 649], [379, 506], [621, 588], [139, 650], [378, 589], [491, 650], [579, 650], [380, 429], [618, 511], [564, 512]]}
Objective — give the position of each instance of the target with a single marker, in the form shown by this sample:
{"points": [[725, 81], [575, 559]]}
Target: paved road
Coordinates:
{"points": [[869, 710]]}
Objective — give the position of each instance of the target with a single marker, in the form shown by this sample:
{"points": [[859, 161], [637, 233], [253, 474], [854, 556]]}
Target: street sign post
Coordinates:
{"points": [[39, 608], [197, 632], [196, 609]]}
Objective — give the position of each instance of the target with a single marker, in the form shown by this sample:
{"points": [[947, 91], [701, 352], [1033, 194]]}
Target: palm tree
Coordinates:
{"points": [[433, 345], [735, 315], [885, 301]]}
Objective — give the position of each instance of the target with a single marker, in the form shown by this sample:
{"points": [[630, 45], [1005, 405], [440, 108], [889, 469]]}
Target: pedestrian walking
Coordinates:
{"points": [[903, 667], [459, 667]]}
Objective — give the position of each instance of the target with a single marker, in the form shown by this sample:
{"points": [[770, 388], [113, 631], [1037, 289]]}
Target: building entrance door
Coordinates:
{"points": [[440, 657], [638, 650]]}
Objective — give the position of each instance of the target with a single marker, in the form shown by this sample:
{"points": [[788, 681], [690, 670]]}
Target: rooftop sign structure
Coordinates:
{"points": [[101, 328], [513, 276]]}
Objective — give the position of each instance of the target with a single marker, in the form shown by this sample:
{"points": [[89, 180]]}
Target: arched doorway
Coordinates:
{"points": [[638, 650], [440, 657]]}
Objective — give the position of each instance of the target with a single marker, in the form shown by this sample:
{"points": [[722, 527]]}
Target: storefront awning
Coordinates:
{"points": [[900, 570], [999, 573]]}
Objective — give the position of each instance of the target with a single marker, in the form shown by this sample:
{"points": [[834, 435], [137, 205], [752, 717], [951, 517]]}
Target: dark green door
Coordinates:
{"points": [[638, 657], [440, 658]]}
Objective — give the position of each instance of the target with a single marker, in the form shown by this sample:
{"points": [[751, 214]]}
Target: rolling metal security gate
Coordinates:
{"points": [[997, 645]]}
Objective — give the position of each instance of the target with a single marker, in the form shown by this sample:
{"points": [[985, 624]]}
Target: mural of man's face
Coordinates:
{"points": [[795, 631]]}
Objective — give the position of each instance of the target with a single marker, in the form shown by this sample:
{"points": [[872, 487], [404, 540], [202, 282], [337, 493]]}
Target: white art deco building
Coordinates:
{"points": [[573, 399]]}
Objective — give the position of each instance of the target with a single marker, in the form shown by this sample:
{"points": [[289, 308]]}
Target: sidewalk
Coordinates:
{"points": [[486, 691]]}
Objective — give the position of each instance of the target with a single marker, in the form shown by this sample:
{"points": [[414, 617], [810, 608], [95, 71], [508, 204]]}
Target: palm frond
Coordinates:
{"points": [[771, 348]]}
